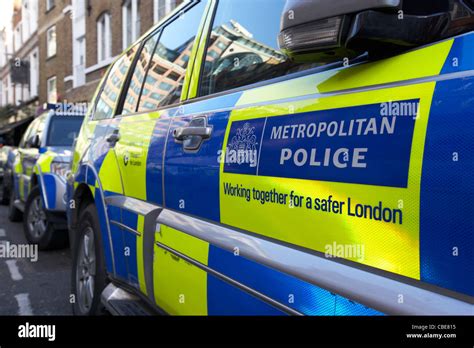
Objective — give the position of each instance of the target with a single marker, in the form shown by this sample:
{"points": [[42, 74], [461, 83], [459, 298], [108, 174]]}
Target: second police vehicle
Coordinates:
{"points": [[278, 157], [38, 187]]}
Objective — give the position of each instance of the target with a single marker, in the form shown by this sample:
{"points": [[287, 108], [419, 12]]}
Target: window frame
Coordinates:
{"points": [[55, 78], [158, 29], [291, 76], [103, 83], [50, 4], [104, 22], [134, 7], [26, 135], [168, 6], [158, 32], [48, 41]]}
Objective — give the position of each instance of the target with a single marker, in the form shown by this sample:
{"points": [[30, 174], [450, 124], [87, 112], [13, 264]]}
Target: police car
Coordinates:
{"points": [[38, 187], [278, 157], [7, 156]]}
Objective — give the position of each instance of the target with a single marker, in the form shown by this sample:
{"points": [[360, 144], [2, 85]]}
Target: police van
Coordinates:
{"points": [[38, 185], [278, 157]]}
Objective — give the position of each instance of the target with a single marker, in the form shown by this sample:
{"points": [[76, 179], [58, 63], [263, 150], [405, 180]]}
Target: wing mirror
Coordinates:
{"points": [[323, 30], [34, 142]]}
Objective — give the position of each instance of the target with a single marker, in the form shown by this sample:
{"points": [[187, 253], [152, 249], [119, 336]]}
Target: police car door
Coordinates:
{"points": [[29, 154], [154, 91], [103, 173], [302, 155], [18, 180]]}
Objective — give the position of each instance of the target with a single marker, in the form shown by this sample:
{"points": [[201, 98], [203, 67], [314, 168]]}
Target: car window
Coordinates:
{"points": [[243, 46], [165, 76], [63, 130], [27, 134], [40, 128], [108, 97], [31, 131], [138, 77]]}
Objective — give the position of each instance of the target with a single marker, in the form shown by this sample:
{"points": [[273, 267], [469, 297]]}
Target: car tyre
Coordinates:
{"points": [[88, 273], [36, 226], [14, 214]]}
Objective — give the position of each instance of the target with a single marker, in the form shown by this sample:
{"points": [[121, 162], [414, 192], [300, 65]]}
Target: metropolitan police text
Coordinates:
{"points": [[354, 158]]}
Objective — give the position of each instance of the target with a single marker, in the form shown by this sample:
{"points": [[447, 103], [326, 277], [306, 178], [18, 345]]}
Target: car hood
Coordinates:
{"points": [[61, 154]]}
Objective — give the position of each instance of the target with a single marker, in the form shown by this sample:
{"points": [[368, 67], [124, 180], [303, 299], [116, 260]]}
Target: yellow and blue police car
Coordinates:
{"points": [[278, 157], [38, 185]]}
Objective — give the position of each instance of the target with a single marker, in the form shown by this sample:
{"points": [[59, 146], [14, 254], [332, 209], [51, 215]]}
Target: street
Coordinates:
{"points": [[32, 288]]}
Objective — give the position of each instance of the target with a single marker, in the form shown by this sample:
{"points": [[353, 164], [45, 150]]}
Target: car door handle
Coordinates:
{"points": [[193, 134], [113, 138], [182, 133]]}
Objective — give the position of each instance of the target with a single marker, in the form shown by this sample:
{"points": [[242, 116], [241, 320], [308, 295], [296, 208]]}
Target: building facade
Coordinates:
{"points": [[58, 50], [79, 39], [19, 58]]}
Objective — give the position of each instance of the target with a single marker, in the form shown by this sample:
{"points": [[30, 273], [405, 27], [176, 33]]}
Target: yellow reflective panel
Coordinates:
{"points": [[180, 288], [109, 175], [83, 142], [45, 160], [132, 152], [392, 246], [419, 63]]}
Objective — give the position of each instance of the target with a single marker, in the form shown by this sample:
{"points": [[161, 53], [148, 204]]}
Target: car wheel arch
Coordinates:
{"points": [[82, 197]]}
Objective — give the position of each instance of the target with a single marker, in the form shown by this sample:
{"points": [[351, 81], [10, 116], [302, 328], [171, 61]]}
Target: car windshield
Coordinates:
{"points": [[63, 130]]}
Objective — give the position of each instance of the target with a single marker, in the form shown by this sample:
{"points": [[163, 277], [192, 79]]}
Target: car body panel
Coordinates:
{"points": [[183, 273]]}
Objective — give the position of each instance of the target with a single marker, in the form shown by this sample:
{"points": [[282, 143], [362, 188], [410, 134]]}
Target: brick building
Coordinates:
{"points": [[54, 48], [78, 39]]}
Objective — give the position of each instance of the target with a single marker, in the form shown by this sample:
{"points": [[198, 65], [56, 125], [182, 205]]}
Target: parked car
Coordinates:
{"points": [[39, 178], [221, 173], [7, 156]]}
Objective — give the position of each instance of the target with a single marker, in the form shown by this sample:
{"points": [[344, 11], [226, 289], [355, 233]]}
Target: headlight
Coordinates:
{"points": [[60, 169]]}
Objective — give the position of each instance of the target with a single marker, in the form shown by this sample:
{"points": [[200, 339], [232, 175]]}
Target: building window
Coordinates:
{"points": [[34, 73], [51, 41], [104, 43], [163, 7], [52, 91], [18, 38], [130, 22], [49, 5], [80, 61]]}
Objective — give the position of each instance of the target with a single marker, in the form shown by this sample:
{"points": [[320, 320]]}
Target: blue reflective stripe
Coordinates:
{"points": [[224, 299], [461, 56], [304, 297], [80, 176], [447, 189], [118, 243], [50, 190], [104, 231], [154, 166], [130, 219], [192, 177]]}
